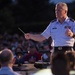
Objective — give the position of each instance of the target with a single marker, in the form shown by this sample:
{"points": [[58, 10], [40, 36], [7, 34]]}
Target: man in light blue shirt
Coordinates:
{"points": [[62, 30], [7, 60]]}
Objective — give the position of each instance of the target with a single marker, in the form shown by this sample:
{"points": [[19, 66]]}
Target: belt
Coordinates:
{"points": [[63, 48]]}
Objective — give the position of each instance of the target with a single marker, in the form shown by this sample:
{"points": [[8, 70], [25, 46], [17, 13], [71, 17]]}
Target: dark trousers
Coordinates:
{"points": [[67, 50]]}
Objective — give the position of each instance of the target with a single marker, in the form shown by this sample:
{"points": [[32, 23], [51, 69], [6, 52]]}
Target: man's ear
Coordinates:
{"points": [[66, 11], [14, 60]]}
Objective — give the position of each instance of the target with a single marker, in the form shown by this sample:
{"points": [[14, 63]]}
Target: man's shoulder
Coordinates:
{"points": [[71, 19], [16, 73], [53, 20], [8, 72]]}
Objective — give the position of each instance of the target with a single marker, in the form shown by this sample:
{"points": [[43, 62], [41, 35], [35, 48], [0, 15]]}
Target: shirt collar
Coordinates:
{"points": [[6, 67], [66, 20]]}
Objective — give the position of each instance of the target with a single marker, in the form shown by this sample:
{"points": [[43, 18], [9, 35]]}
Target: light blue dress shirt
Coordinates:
{"points": [[8, 71], [57, 31]]}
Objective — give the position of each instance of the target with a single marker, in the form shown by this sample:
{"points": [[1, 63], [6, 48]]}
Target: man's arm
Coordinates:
{"points": [[35, 37]]}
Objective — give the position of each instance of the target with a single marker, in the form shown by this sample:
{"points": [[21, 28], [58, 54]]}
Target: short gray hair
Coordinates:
{"points": [[63, 5]]}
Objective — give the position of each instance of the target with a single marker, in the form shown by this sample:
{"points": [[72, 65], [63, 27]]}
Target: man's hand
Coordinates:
{"points": [[27, 36], [69, 32]]}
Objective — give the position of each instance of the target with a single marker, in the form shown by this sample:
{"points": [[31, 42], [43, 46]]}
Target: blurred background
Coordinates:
{"points": [[29, 15]]}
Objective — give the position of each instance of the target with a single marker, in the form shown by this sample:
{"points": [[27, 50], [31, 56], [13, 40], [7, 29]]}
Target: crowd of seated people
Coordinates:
{"points": [[33, 55], [17, 42]]}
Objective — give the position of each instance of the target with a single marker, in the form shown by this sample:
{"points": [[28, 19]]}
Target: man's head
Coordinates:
{"points": [[6, 57], [61, 10]]}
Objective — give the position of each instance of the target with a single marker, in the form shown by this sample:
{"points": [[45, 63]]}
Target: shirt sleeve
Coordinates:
{"points": [[74, 28], [46, 32]]}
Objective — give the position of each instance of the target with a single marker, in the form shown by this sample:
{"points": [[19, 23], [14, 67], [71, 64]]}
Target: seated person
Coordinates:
{"points": [[33, 55], [46, 55], [7, 62], [19, 56]]}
